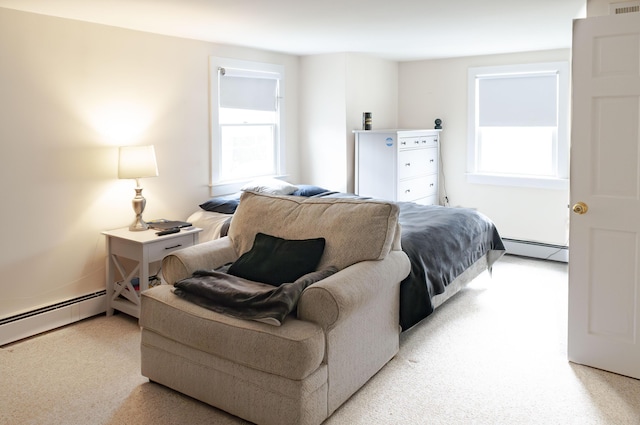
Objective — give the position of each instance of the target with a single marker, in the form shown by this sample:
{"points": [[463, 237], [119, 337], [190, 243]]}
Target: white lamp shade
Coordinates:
{"points": [[137, 162]]}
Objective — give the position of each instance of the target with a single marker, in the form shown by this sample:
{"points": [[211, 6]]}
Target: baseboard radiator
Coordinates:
{"points": [[537, 250], [54, 316]]}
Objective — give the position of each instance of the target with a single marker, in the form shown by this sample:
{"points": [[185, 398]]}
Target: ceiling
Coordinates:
{"points": [[400, 30]]}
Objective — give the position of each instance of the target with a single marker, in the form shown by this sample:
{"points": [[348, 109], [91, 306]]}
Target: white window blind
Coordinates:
{"points": [[518, 100], [240, 89]]}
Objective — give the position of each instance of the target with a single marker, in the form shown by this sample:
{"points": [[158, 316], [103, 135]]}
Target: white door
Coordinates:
{"points": [[604, 259]]}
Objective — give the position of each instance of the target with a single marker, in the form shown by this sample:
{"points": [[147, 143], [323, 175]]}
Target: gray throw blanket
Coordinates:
{"points": [[245, 299]]}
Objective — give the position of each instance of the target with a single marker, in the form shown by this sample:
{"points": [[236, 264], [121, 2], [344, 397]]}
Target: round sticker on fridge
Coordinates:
{"points": [[389, 141]]}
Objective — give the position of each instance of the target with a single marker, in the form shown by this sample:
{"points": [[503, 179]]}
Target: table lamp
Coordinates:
{"points": [[136, 162]]}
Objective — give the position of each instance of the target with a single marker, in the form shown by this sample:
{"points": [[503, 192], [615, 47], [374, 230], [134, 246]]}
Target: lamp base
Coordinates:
{"points": [[138, 224], [138, 207]]}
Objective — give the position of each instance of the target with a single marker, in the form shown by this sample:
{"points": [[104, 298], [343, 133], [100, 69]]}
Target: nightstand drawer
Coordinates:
{"points": [[158, 250]]}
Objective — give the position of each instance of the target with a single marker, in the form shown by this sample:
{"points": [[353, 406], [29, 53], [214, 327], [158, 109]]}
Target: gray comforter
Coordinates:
{"points": [[441, 243]]}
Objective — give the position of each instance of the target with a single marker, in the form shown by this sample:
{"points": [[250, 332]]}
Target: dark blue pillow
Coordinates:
{"points": [[308, 190], [222, 204]]}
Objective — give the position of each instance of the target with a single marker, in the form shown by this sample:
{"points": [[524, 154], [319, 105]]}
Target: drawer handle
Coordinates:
{"points": [[403, 143], [407, 191], [408, 164], [417, 142], [431, 185], [431, 160], [175, 246]]}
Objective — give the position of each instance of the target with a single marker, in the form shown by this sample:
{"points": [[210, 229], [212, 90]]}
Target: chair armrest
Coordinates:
{"points": [[209, 255], [358, 286], [359, 311]]}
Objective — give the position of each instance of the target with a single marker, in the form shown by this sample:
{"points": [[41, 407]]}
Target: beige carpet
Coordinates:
{"points": [[494, 354]]}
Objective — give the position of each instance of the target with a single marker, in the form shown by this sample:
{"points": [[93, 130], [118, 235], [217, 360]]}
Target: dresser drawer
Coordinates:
{"points": [[426, 141], [413, 189], [409, 143], [416, 162], [158, 250], [430, 141], [432, 184], [431, 160]]}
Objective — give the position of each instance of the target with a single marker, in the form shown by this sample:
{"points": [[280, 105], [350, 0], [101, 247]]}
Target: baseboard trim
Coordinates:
{"points": [[44, 319], [537, 250]]}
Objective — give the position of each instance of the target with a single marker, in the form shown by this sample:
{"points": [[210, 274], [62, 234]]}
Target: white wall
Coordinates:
{"points": [[323, 154], [70, 93], [372, 86], [438, 89], [335, 90]]}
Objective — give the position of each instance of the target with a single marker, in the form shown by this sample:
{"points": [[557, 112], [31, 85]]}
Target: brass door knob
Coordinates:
{"points": [[580, 208]]}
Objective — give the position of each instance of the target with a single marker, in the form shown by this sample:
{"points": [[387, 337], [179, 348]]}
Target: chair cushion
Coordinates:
{"points": [[338, 220], [293, 350]]}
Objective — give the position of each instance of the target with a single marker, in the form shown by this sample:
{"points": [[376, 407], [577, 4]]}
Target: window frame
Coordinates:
{"points": [[217, 186], [561, 160]]}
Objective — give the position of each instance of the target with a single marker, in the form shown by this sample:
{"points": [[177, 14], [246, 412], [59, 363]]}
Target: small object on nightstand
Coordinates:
{"points": [[438, 123], [168, 231], [164, 224]]}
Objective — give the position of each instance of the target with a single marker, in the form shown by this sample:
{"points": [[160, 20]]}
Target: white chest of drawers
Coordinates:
{"points": [[398, 165]]}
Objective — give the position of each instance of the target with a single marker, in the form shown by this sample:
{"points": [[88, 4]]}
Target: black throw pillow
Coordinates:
{"points": [[276, 261]]}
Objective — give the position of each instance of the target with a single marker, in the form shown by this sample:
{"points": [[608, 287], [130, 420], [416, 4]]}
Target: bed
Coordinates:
{"points": [[447, 247]]}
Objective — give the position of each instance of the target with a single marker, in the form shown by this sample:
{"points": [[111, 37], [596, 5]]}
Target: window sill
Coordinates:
{"points": [[518, 181]]}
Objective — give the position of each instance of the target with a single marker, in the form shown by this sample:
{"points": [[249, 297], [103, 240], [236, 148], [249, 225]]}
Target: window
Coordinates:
{"points": [[246, 114], [518, 125]]}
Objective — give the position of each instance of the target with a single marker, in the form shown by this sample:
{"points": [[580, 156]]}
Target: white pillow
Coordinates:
{"points": [[270, 185]]}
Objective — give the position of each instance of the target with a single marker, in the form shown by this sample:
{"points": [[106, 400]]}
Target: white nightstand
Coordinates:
{"points": [[130, 255]]}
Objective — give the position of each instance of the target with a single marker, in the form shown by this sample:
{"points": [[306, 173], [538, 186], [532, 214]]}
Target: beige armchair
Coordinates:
{"points": [[345, 328]]}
